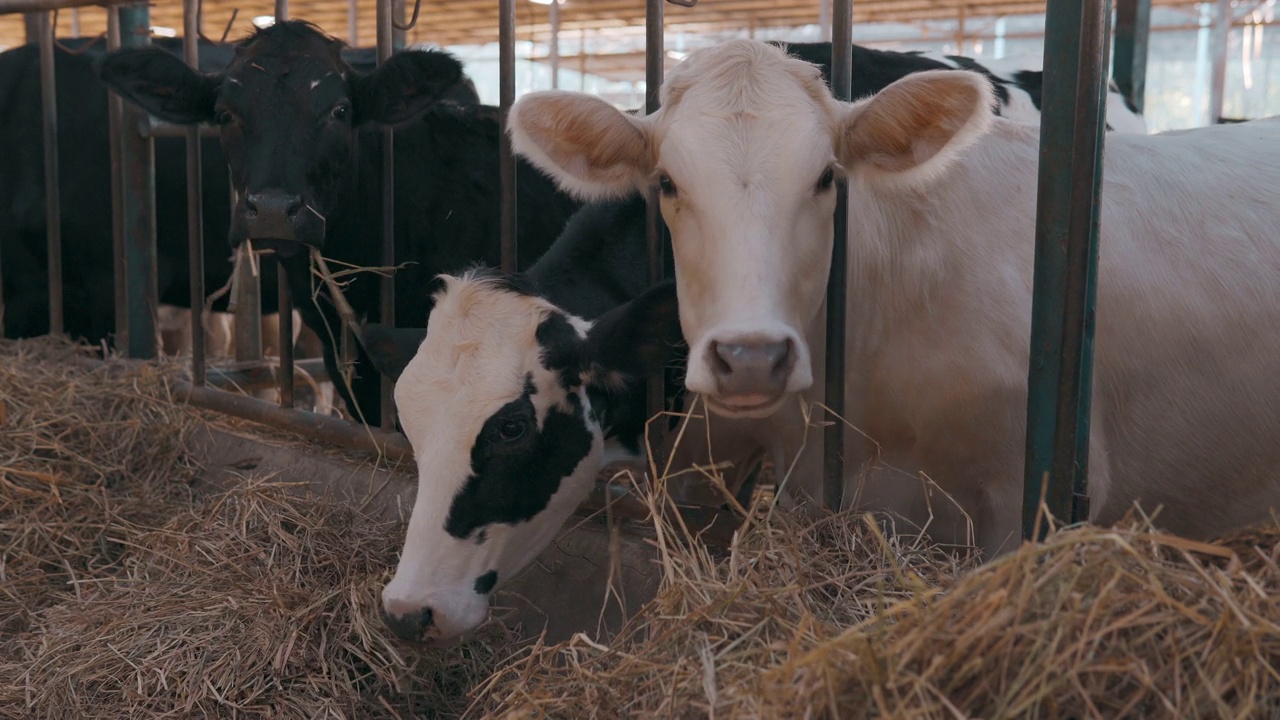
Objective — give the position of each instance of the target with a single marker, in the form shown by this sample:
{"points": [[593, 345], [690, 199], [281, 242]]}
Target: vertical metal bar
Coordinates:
{"points": [[1133, 29], [246, 305], [75, 22], [195, 203], [1067, 219], [553, 13], [353, 24], [115, 125], [31, 27], [284, 300], [386, 40], [837, 279], [506, 161], [1220, 33], [137, 155], [655, 229], [824, 19], [397, 35], [52, 199]]}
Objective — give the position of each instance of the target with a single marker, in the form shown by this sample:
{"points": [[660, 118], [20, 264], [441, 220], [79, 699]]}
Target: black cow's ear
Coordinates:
{"points": [[636, 339], [405, 86], [391, 348], [162, 84]]}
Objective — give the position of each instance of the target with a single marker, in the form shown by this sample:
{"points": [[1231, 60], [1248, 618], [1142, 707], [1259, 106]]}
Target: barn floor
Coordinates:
{"points": [[154, 563]]}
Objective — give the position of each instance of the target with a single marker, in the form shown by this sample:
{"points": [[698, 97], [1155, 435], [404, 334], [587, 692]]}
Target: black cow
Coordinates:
{"points": [[84, 169], [299, 130]]}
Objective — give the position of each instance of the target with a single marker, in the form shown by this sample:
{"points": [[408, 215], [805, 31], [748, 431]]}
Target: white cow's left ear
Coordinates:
{"points": [[908, 133]]}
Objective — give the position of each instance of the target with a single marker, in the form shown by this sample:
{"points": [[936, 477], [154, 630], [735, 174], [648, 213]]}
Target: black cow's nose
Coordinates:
{"points": [[273, 203], [272, 215], [411, 625]]}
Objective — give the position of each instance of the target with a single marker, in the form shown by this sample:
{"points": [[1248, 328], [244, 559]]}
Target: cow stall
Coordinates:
{"points": [[178, 548]]}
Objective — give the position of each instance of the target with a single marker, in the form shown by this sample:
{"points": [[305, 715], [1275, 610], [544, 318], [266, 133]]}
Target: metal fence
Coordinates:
{"points": [[1066, 234]]}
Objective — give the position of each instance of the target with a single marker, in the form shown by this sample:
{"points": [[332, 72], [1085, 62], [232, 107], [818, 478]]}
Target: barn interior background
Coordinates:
{"points": [[601, 42]]}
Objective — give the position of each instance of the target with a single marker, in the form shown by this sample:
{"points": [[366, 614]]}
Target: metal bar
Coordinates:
{"points": [[655, 228], [553, 45], [1067, 219], [837, 279], [1133, 29], [137, 155], [258, 375], [1220, 33], [8, 7], [506, 160], [284, 300], [31, 27], [387, 287], [324, 428], [154, 128], [195, 203], [52, 198], [246, 307], [353, 24], [282, 10], [115, 123], [75, 22], [398, 36]]}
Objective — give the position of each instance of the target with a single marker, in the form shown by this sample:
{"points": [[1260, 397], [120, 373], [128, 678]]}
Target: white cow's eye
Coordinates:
{"points": [[665, 184], [827, 180]]}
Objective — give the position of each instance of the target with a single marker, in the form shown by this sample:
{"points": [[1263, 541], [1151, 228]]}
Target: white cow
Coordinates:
{"points": [[942, 201]]}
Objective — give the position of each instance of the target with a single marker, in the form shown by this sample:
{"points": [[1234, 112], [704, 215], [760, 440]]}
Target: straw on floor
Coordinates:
{"points": [[129, 590]]}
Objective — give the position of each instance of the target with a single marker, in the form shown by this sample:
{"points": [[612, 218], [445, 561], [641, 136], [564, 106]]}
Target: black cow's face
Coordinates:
{"points": [[289, 108]]}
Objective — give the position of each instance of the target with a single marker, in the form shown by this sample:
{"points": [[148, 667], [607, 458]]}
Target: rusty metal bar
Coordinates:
{"points": [[387, 287], [34, 6], [837, 279], [655, 228], [284, 300], [52, 198], [506, 160], [115, 123], [1063, 301], [137, 184], [195, 204]]}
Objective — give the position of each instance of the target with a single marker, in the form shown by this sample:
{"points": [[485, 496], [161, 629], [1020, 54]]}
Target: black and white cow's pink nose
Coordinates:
{"points": [[420, 622]]}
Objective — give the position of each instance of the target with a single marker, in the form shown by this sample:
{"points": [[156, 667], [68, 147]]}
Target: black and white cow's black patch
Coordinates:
{"points": [[486, 582], [517, 466]]}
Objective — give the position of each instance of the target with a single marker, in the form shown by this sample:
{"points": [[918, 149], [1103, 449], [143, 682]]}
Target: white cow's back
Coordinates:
{"points": [[1187, 378]]}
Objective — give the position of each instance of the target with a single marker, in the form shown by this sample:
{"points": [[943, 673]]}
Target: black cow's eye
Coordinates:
{"points": [[340, 112], [222, 117], [511, 429], [827, 180], [667, 187]]}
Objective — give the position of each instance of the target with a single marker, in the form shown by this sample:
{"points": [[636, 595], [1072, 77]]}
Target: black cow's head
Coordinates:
{"points": [[289, 108]]}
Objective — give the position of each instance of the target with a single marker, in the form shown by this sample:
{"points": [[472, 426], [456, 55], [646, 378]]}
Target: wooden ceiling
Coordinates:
{"points": [[470, 22]]}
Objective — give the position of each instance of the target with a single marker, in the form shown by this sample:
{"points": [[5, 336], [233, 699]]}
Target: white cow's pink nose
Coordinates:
{"points": [[751, 371]]}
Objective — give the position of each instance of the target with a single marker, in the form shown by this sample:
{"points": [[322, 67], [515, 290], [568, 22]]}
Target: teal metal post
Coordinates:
{"points": [[1067, 219], [137, 198], [1133, 28]]}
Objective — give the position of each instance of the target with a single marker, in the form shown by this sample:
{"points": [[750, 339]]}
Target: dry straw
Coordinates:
{"points": [[132, 591]]}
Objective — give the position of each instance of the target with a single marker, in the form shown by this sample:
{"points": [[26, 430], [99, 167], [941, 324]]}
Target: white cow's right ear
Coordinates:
{"points": [[590, 148], [908, 133]]}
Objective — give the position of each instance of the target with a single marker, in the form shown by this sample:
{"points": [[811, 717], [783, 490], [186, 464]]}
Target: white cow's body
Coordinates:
{"points": [[941, 242]]}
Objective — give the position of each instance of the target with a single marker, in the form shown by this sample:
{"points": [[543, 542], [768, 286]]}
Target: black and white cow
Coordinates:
{"points": [[299, 129]]}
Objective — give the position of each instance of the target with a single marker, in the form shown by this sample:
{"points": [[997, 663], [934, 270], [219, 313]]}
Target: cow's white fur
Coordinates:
{"points": [[1186, 409]]}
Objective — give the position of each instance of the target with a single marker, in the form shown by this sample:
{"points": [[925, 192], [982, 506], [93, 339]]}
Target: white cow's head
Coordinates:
{"points": [[745, 151], [507, 403]]}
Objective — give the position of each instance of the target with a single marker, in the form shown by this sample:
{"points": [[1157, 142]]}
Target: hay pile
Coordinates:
{"points": [[834, 620], [130, 590]]}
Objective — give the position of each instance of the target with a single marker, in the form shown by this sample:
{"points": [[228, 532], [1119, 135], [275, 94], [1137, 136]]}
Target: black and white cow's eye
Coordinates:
{"points": [[340, 112], [665, 184], [828, 179], [511, 429]]}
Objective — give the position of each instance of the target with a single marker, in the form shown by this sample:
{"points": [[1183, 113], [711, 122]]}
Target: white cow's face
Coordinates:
{"points": [[745, 150], [505, 404]]}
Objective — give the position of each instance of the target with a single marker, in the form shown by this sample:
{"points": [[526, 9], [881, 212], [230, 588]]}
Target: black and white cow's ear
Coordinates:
{"points": [[636, 339], [391, 348], [162, 84], [405, 86]]}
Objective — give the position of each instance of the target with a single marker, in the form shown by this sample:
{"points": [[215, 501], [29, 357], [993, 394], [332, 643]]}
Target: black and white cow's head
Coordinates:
{"points": [[289, 107], [508, 405]]}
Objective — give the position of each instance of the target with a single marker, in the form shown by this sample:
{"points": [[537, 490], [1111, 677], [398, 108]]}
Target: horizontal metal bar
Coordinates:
{"points": [[154, 128], [257, 375], [324, 428], [25, 6]]}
